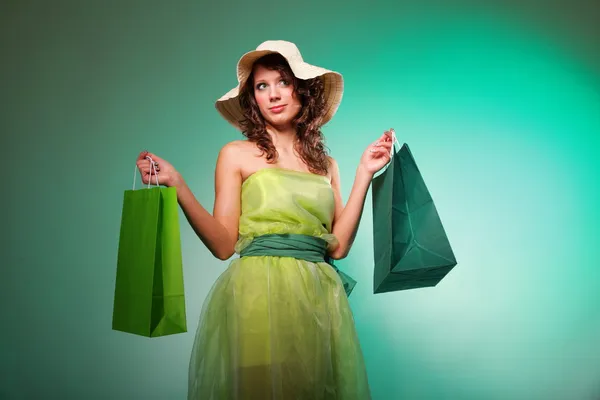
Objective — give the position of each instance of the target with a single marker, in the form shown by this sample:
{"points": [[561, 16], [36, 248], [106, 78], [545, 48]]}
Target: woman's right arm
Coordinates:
{"points": [[219, 231]]}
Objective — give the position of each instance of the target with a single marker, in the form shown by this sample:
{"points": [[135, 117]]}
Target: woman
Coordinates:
{"points": [[277, 323]]}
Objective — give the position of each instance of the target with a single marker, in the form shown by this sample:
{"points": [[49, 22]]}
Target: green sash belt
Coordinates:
{"points": [[302, 247]]}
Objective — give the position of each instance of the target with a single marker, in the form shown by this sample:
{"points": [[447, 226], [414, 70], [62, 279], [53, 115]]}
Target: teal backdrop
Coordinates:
{"points": [[499, 103]]}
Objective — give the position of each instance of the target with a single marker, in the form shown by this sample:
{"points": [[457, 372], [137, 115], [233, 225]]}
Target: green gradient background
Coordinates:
{"points": [[500, 105]]}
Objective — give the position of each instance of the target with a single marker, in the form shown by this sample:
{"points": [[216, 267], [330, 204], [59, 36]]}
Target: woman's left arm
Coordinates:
{"points": [[347, 218]]}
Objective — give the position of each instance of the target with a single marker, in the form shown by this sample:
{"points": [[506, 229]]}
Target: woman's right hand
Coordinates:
{"points": [[167, 175]]}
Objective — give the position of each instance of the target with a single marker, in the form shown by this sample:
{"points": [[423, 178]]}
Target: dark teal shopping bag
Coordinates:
{"points": [[411, 248], [149, 295]]}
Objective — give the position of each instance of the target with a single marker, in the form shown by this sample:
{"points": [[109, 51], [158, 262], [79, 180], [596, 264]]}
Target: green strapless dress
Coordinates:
{"points": [[279, 327]]}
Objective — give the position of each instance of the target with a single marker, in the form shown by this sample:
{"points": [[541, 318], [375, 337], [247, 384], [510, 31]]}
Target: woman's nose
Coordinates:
{"points": [[274, 93]]}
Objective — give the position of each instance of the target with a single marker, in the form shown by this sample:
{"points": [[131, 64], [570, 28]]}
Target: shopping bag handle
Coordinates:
{"points": [[394, 143], [149, 180]]}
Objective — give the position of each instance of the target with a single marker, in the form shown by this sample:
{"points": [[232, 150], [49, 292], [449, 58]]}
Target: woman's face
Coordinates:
{"points": [[276, 97]]}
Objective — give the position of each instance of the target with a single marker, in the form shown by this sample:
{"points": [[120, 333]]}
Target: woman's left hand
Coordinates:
{"points": [[377, 155]]}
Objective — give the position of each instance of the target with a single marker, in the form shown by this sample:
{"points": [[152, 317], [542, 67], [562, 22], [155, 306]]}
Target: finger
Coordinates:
{"points": [[383, 149], [154, 157], [144, 166], [382, 156], [389, 134], [149, 178], [382, 152], [379, 149], [384, 139], [149, 172], [142, 155], [381, 145]]}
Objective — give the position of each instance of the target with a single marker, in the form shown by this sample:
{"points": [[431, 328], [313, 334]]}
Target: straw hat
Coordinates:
{"points": [[229, 105]]}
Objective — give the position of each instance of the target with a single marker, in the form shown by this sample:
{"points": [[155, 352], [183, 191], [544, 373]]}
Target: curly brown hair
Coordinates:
{"points": [[309, 142]]}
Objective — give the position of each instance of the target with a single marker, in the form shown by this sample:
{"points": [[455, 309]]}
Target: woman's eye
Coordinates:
{"points": [[284, 82], [260, 86]]}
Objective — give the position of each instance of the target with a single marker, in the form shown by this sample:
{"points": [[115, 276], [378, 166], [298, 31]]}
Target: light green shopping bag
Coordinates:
{"points": [[149, 298]]}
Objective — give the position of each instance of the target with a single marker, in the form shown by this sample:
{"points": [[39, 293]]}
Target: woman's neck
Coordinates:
{"points": [[283, 138]]}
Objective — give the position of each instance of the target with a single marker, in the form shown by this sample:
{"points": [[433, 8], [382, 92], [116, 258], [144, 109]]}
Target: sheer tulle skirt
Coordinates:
{"points": [[277, 328]]}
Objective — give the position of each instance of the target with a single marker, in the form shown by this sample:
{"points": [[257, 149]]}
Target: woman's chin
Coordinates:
{"points": [[280, 123]]}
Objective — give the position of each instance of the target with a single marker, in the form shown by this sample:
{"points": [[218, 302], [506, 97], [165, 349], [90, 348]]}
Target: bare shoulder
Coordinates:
{"points": [[332, 163], [238, 150], [231, 149], [228, 160], [248, 157], [230, 154], [333, 171]]}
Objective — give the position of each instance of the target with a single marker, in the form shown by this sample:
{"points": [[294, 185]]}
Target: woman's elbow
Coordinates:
{"points": [[340, 253], [224, 254]]}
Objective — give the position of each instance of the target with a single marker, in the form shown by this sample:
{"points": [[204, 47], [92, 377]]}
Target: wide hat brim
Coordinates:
{"points": [[229, 105]]}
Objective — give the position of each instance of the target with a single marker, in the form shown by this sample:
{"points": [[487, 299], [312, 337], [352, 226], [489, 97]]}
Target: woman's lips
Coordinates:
{"points": [[277, 109]]}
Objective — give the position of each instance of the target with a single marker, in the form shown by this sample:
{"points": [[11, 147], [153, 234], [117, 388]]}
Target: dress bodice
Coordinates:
{"points": [[278, 201]]}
